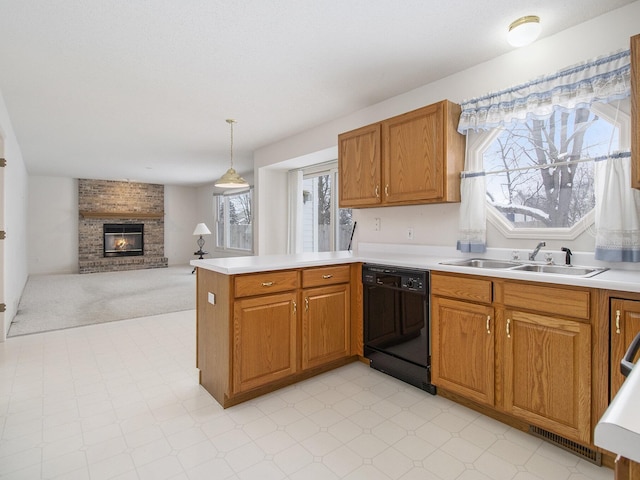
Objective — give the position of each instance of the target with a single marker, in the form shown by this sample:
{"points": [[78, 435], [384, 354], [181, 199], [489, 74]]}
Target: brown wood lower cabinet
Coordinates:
{"points": [[463, 348], [547, 373], [258, 332], [625, 324], [325, 325], [508, 345], [264, 340], [626, 469]]}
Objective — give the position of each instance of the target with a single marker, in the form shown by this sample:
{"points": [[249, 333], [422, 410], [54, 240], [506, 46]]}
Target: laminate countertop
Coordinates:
{"points": [[620, 278]]}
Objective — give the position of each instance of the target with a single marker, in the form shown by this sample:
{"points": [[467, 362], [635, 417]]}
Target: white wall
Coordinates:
{"points": [[53, 225], [15, 246], [436, 224], [180, 218]]}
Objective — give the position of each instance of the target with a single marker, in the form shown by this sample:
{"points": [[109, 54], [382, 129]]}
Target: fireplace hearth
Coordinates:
{"points": [[123, 239]]}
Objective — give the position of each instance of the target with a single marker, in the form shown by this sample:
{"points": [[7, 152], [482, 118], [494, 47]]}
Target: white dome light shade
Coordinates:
{"points": [[524, 31]]}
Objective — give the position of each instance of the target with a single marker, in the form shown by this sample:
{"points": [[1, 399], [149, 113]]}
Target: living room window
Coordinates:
{"points": [[234, 221]]}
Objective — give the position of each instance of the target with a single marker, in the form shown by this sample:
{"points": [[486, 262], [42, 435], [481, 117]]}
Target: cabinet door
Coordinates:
{"points": [[413, 162], [359, 167], [462, 348], [547, 373], [325, 325], [264, 340], [625, 324], [635, 111]]}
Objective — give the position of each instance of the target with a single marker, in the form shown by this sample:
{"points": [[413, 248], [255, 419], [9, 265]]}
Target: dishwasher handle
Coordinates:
{"points": [[626, 364]]}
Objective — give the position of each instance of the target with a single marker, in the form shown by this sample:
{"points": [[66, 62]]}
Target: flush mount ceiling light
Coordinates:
{"points": [[231, 179], [524, 31]]}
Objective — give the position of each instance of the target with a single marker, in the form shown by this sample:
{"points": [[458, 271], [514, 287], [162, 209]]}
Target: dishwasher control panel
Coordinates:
{"points": [[395, 277]]}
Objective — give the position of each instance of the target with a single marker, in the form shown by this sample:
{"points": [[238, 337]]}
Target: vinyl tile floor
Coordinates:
{"points": [[121, 400]]}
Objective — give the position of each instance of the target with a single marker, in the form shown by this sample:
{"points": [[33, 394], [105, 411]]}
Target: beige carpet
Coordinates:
{"points": [[53, 302]]}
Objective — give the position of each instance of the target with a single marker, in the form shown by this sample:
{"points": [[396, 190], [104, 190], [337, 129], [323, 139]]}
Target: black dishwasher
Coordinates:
{"points": [[397, 329]]}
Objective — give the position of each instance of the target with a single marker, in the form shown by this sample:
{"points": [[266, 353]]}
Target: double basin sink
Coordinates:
{"points": [[515, 265]]}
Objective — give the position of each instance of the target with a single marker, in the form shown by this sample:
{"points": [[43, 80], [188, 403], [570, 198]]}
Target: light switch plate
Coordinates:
{"points": [[211, 297]]}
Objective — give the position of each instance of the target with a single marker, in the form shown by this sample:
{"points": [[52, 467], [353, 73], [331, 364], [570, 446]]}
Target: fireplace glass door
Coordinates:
{"points": [[123, 239]]}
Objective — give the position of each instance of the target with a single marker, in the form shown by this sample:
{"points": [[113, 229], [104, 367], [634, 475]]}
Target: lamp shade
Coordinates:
{"points": [[201, 229], [524, 31]]}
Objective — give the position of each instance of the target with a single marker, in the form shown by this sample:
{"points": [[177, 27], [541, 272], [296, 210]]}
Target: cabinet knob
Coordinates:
{"points": [[508, 328], [488, 324], [267, 284], [618, 322]]}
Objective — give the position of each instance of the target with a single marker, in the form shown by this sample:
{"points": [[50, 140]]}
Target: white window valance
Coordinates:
{"points": [[603, 79]]}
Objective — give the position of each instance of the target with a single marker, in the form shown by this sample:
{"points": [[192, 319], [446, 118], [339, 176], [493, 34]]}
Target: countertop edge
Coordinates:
{"points": [[617, 280]]}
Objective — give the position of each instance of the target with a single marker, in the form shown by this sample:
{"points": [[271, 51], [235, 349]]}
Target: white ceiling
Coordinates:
{"points": [[140, 89]]}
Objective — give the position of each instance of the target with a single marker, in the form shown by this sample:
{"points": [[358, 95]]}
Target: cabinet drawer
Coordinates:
{"points": [[551, 299], [265, 283], [314, 277], [472, 289]]}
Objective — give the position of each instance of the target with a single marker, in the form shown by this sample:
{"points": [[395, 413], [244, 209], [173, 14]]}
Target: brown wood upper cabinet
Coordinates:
{"points": [[635, 111], [412, 158]]}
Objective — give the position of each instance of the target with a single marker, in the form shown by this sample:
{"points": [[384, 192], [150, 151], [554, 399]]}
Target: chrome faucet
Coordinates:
{"points": [[532, 255]]}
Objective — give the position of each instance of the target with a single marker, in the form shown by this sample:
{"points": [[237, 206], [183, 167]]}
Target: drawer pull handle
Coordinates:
{"points": [[386, 189], [377, 191], [295, 308], [488, 324], [306, 303], [326, 277], [508, 328], [267, 284], [618, 322]]}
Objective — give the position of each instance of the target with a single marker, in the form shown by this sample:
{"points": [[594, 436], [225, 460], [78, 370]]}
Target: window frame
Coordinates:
{"points": [[620, 118], [226, 196], [326, 168]]}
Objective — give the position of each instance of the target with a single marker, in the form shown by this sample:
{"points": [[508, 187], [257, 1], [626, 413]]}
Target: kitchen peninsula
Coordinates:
{"points": [[264, 322]]}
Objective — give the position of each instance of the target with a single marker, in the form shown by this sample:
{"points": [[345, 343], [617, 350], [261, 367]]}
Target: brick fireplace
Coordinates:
{"points": [[127, 204]]}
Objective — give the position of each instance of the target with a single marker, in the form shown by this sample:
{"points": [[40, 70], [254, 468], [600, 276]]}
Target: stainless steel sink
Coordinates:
{"points": [[561, 269], [483, 263], [490, 263]]}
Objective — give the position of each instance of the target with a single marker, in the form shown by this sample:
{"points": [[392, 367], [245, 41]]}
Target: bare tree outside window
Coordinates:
{"points": [[234, 229], [319, 217], [539, 185]]}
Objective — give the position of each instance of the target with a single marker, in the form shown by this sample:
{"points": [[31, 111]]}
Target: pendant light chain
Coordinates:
{"points": [[231, 122]]}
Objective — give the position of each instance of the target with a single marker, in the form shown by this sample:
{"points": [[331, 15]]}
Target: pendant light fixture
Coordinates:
{"points": [[231, 179], [524, 31]]}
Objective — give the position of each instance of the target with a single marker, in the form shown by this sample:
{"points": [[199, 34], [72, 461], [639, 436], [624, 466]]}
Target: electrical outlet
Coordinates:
{"points": [[376, 224], [410, 233]]}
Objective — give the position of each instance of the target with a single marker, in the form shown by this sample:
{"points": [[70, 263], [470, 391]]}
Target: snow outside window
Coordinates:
{"points": [[540, 174]]}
